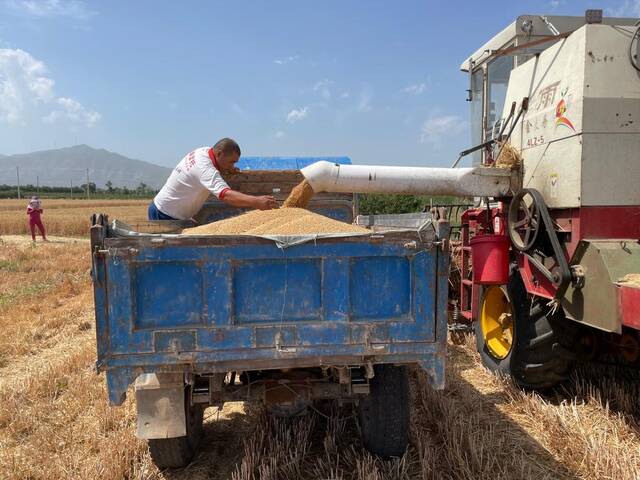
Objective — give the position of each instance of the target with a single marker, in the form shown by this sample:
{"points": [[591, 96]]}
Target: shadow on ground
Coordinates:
{"points": [[458, 433]]}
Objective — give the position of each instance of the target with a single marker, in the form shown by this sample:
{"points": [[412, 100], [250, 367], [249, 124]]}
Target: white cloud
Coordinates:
{"points": [[279, 134], [628, 8], [42, 87], [323, 88], [22, 81], [75, 9], [289, 59], [296, 115], [437, 128], [73, 110], [554, 4], [25, 90], [345, 95], [364, 100], [415, 89]]}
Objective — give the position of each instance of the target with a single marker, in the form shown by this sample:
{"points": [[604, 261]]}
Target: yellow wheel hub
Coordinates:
{"points": [[496, 322]]}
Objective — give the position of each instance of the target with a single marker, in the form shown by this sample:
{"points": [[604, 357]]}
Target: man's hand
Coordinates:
{"points": [[242, 200], [265, 202]]}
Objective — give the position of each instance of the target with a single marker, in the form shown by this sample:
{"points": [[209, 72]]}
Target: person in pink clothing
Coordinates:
{"points": [[34, 210]]}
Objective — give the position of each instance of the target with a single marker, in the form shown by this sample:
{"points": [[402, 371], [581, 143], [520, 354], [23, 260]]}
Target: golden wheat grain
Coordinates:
{"points": [[300, 196], [282, 221]]}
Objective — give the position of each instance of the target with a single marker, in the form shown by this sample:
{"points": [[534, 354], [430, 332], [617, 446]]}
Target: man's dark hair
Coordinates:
{"points": [[227, 146]]}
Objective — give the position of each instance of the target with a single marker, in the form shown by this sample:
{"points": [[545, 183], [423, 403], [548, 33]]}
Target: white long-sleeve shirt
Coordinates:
{"points": [[190, 184]]}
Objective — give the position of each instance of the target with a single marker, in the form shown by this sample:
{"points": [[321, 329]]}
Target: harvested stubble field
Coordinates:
{"points": [[68, 217], [55, 422]]}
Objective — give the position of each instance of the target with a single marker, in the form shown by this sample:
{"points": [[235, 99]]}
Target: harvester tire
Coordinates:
{"points": [[541, 354], [384, 414], [179, 451]]}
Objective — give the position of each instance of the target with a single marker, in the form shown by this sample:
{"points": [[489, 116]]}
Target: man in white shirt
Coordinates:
{"points": [[197, 176]]}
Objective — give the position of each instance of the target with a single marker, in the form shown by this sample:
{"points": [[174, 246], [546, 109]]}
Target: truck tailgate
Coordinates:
{"points": [[210, 304]]}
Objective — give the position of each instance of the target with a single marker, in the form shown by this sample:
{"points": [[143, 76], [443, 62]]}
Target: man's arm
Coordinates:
{"points": [[238, 199], [212, 180]]}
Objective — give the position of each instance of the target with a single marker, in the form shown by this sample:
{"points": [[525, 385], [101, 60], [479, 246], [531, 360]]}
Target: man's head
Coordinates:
{"points": [[227, 153]]}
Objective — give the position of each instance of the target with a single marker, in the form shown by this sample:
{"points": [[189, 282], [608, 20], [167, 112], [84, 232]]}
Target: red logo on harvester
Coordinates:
{"points": [[561, 110]]}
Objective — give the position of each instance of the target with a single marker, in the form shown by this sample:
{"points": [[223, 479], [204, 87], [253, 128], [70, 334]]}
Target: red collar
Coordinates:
{"points": [[212, 156]]}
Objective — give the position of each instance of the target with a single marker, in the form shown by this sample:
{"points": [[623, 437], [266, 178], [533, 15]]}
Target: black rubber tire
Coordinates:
{"points": [[542, 353], [384, 414], [179, 451]]}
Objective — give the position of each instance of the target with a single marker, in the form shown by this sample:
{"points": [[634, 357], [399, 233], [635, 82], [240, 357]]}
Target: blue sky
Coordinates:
{"points": [[377, 81]]}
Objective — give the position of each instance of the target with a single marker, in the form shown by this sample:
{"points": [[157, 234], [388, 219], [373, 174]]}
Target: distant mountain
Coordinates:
{"points": [[60, 167]]}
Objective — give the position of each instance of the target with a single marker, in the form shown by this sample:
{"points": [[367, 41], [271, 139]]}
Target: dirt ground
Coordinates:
{"points": [[55, 422]]}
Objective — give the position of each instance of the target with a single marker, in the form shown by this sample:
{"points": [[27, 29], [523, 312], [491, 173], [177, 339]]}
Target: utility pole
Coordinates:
{"points": [[18, 175], [38, 184], [71, 189], [87, 184]]}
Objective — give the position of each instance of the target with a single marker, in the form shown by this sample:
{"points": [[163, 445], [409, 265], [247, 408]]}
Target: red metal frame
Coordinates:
{"points": [[475, 221], [577, 224], [574, 225], [593, 223], [629, 306]]}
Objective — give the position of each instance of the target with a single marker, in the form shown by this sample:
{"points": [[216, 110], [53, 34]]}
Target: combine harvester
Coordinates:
{"points": [[548, 268], [199, 321]]}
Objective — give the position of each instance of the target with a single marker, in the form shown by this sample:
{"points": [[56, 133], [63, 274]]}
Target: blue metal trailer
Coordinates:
{"points": [[198, 321]]}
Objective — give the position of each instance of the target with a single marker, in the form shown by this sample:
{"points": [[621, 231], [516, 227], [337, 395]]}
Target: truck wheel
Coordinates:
{"points": [[384, 414], [179, 451], [518, 336]]}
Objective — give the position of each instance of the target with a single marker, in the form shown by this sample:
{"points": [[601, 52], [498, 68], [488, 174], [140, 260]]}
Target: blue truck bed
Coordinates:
{"points": [[194, 322], [221, 304]]}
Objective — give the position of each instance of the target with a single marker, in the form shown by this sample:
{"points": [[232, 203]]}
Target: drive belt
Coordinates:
{"points": [[560, 277]]}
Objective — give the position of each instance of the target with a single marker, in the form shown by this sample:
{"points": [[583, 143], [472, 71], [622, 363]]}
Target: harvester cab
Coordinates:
{"points": [[547, 273], [489, 68]]}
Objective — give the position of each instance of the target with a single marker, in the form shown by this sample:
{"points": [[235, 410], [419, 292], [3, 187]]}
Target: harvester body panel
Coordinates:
{"points": [[598, 302], [580, 137]]}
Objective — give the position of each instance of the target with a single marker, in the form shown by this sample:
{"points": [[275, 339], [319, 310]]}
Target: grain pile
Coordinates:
{"points": [[280, 221], [300, 196], [631, 280]]}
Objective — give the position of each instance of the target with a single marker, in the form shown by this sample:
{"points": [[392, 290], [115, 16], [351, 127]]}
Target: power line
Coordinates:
{"points": [[18, 174]]}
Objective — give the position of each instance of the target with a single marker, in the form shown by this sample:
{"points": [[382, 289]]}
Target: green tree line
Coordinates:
{"points": [[79, 191], [376, 204]]}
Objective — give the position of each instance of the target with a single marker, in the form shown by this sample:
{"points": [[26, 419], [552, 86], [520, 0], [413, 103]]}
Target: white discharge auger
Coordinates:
{"points": [[463, 182]]}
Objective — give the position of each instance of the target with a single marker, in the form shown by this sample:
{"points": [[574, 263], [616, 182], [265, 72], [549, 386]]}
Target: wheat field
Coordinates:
{"points": [[68, 217], [55, 422]]}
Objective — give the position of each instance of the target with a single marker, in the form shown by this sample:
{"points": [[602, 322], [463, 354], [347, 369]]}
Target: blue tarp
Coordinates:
{"points": [[285, 163]]}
